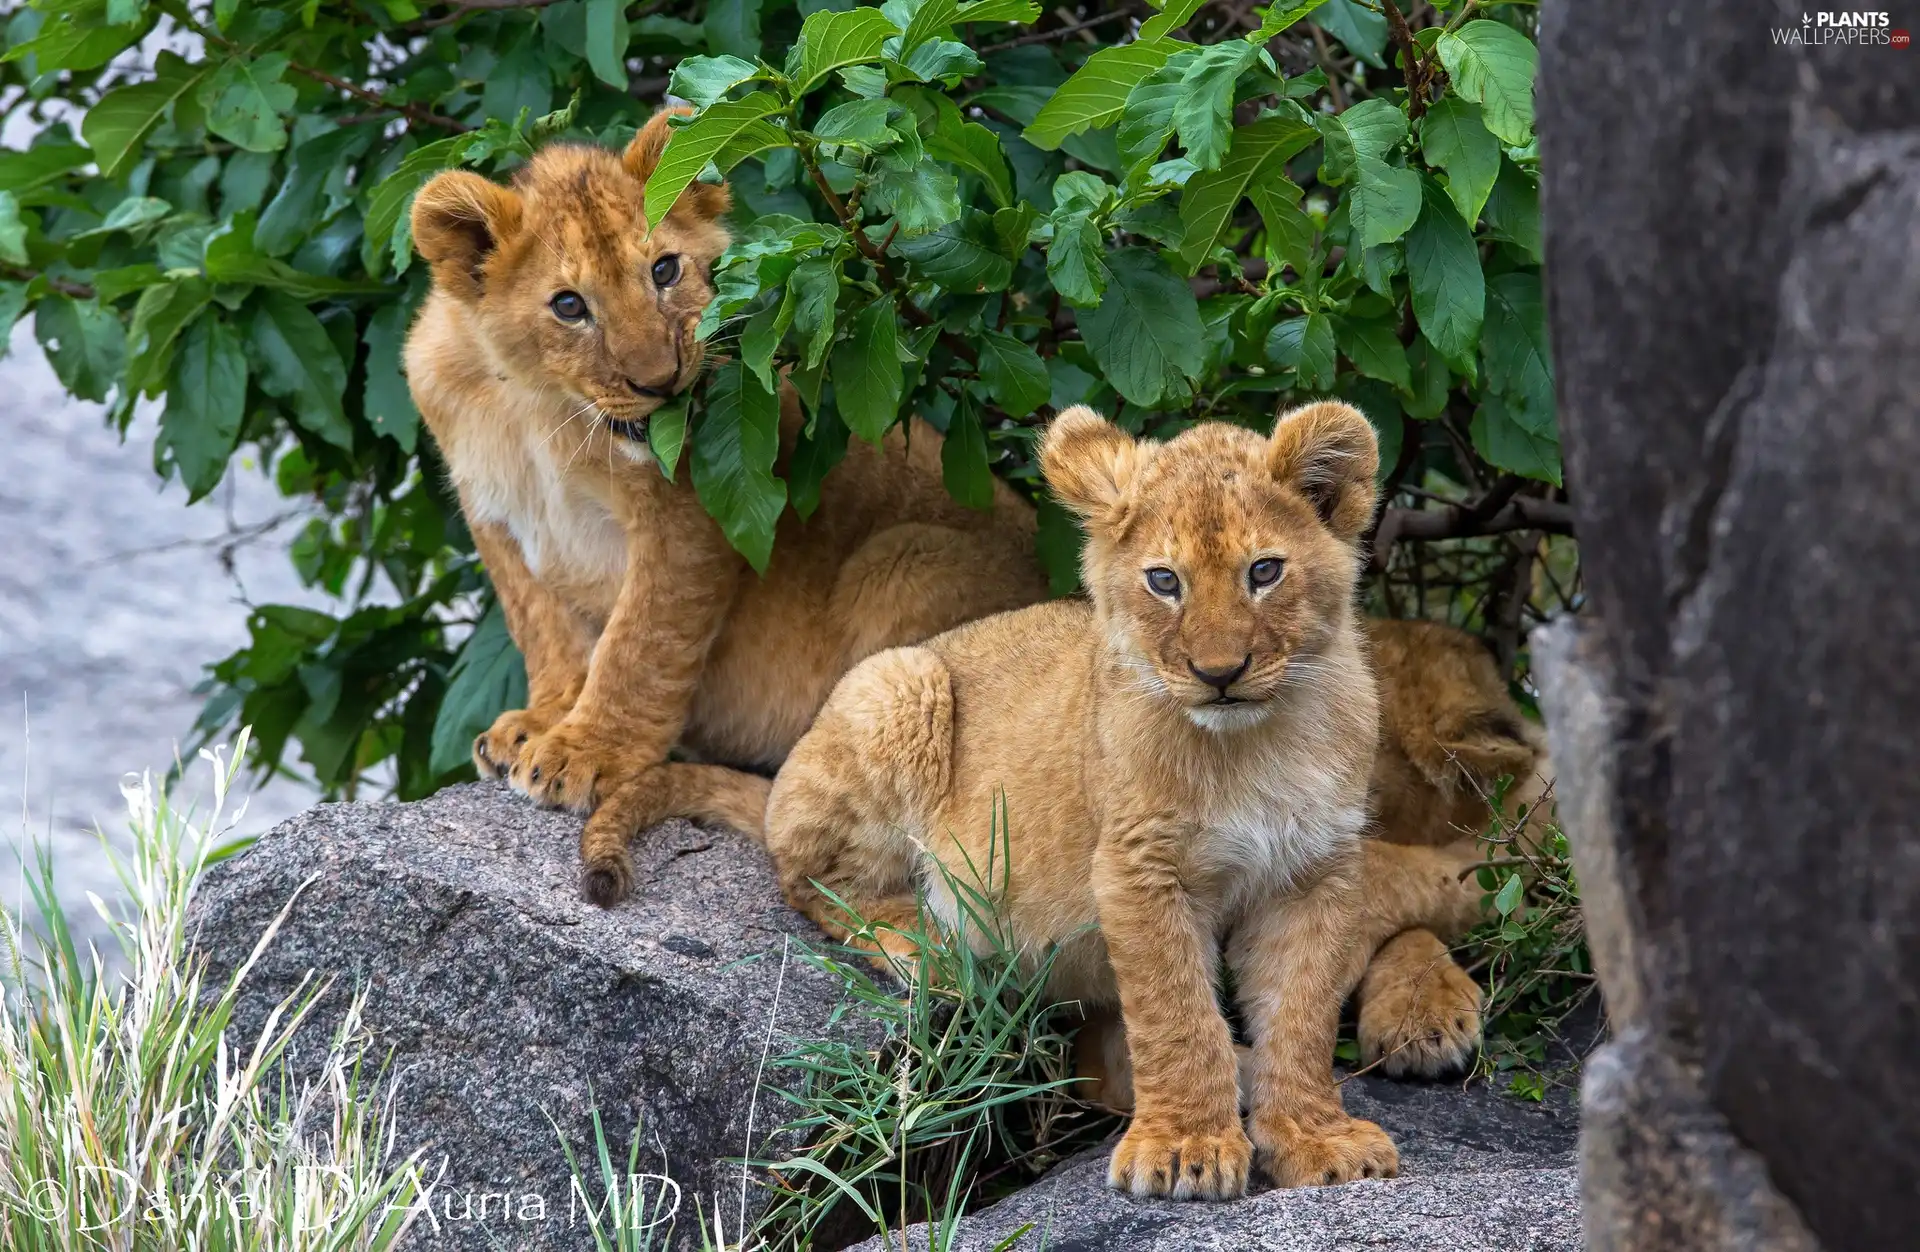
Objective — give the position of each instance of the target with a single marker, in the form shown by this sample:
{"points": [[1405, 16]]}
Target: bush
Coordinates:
{"points": [[962, 210]]}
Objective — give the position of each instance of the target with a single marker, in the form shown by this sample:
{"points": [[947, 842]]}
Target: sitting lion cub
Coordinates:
{"points": [[1183, 759], [557, 324]]}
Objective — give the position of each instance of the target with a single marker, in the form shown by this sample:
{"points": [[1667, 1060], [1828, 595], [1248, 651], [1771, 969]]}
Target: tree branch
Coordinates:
{"points": [[412, 112], [1458, 522], [65, 287]]}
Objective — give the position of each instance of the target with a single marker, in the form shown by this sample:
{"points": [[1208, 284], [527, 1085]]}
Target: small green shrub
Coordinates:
{"points": [[977, 212]]}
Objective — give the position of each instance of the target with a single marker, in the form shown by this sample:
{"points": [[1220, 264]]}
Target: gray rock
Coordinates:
{"points": [[507, 1000], [1479, 1173], [1734, 299]]}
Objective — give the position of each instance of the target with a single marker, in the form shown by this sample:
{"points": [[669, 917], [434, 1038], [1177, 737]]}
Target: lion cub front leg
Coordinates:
{"points": [[551, 638], [1186, 1140], [1294, 960]]}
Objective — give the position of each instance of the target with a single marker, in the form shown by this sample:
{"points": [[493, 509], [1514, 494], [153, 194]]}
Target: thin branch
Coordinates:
{"points": [[413, 112], [65, 287], [1458, 522], [462, 8], [1059, 32]]}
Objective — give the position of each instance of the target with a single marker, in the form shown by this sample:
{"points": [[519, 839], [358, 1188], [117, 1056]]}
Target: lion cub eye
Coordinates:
{"points": [[569, 306], [1163, 582], [666, 271], [1265, 572]]}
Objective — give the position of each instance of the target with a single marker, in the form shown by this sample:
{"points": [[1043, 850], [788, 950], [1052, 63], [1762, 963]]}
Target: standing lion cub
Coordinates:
{"points": [[558, 322], [1185, 758]]}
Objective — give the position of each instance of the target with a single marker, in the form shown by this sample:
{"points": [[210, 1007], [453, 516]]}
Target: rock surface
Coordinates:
{"points": [[508, 1000], [1734, 298], [1479, 1173]]}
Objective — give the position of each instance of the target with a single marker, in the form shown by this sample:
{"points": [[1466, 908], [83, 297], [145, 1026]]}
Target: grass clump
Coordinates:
{"points": [[964, 1097], [130, 1122]]}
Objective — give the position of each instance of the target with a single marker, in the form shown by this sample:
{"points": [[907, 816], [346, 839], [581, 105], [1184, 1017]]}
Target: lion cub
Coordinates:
{"points": [[558, 322], [1183, 759]]}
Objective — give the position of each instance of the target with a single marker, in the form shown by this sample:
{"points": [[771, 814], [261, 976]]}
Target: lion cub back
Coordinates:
{"points": [[1449, 731]]}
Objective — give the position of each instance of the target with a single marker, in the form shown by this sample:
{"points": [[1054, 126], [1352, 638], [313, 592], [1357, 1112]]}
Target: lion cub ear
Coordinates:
{"points": [[1088, 461], [642, 157], [1329, 453], [459, 219]]}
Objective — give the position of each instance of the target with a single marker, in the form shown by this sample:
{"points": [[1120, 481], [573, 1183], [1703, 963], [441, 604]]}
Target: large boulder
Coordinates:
{"points": [[1734, 296], [508, 1001], [1479, 1173]]}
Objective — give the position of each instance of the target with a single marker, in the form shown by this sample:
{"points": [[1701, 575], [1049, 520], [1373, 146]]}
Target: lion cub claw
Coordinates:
{"points": [[567, 767], [1325, 1153], [1155, 1160], [497, 748]]}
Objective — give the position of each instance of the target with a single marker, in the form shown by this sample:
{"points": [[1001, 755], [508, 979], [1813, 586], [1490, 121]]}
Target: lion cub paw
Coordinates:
{"points": [[568, 767], [497, 748], [1163, 1161], [1419, 1014], [1321, 1154]]}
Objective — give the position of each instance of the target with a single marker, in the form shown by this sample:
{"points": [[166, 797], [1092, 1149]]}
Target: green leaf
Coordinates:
{"points": [[667, 435], [1277, 16], [230, 257], [819, 450], [1513, 210], [1146, 120], [970, 146], [1432, 380], [66, 44], [1493, 65], [1259, 153], [866, 371], [941, 61], [159, 316], [1363, 31], [1384, 203], [1290, 232], [922, 198], [1097, 93], [1519, 373], [24, 170], [761, 335], [299, 204], [1453, 137], [830, 40], [962, 256], [1076, 260], [963, 459], [85, 344], [1023, 11], [244, 100], [1443, 268], [1373, 127], [814, 291], [1177, 14], [1146, 333], [1203, 114], [117, 124], [13, 231], [1013, 373], [1509, 898], [489, 677], [123, 280], [13, 302], [1373, 345], [690, 147], [1058, 543], [393, 195], [705, 80], [1304, 345], [735, 444], [607, 37], [131, 215], [296, 362], [862, 123], [733, 29], [206, 404], [388, 401], [1512, 439], [519, 80]]}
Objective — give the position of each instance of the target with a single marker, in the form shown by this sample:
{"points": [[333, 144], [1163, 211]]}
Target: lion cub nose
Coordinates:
{"points": [[641, 389], [1223, 677]]}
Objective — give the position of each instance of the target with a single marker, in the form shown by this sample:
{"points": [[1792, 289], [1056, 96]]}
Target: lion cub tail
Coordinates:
{"points": [[861, 787]]}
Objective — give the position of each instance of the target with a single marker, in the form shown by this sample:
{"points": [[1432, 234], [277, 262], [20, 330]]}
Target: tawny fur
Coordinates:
{"points": [[641, 627], [1149, 815]]}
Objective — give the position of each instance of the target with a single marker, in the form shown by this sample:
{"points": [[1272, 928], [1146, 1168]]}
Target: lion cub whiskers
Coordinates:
{"points": [[1181, 762]]}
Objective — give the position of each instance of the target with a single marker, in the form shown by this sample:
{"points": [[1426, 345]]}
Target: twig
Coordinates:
{"points": [[461, 8], [1324, 55], [413, 112], [1521, 513], [65, 287], [1058, 32], [1413, 66]]}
